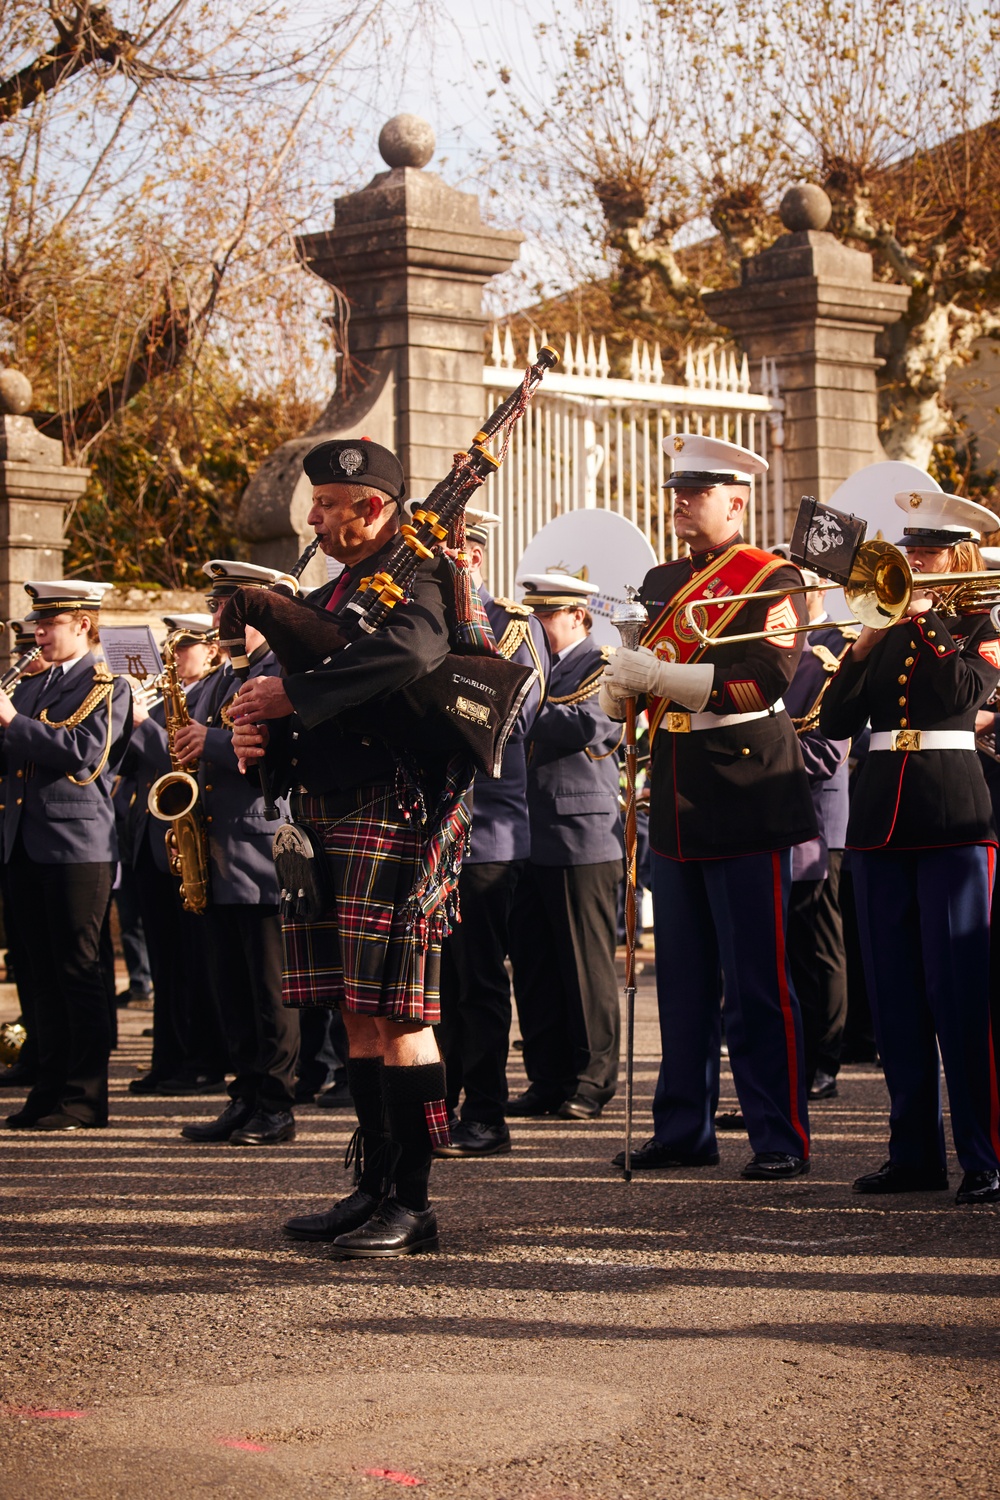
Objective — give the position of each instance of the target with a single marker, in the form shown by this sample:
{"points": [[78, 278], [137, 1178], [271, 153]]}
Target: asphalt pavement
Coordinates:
{"points": [[577, 1338]]}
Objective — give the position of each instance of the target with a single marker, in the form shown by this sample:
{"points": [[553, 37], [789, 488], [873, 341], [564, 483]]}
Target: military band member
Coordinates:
{"points": [[475, 986], [372, 954], [242, 930], [815, 928], [564, 919], [923, 855], [188, 1053], [62, 742], [728, 800]]}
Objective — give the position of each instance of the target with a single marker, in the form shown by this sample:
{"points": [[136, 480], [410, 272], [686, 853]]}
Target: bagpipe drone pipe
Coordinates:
{"points": [[470, 703]]}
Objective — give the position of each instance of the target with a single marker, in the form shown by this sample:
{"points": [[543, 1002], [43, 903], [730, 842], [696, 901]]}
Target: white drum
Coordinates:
{"points": [[600, 546]]}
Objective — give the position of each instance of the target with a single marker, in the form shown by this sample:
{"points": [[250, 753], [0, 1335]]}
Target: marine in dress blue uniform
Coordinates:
{"points": [[815, 926], [62, 743], [475, 987], [728, 800], [563, 921], [923, 848], [243, 933]]}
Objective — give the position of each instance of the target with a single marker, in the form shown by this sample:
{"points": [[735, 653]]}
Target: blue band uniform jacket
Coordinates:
{"points": [[923, 674], [62, 821], [500, 826], [239, 835], [825, 759], [742, 788], [147, 760], [573, 783]]}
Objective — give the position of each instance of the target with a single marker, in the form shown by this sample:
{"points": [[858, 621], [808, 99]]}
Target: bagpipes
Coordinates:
{"points": [[470, 703]]}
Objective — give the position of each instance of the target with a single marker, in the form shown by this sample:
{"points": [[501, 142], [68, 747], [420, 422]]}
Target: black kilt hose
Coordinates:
{"points": [[365, 954]]}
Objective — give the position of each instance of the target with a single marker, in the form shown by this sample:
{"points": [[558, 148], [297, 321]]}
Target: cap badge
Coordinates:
{"points": [[915, 500], [351, 461], [678, 445]]}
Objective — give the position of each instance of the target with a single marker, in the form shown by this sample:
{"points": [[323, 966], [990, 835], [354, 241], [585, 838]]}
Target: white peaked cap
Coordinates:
{"points": [[933, 512], [700, 462], [554, 590]]}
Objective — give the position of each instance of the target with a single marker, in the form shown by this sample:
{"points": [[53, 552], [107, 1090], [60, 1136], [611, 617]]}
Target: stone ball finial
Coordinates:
{"points": [[406, 141], [15, 393], [805, 206]]}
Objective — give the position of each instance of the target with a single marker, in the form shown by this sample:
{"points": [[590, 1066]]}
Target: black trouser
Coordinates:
{"points": [[475, 993], [60, 912], [244, 944], [858, 1041], [816, 955], [562, 948], [323, 1047], [17, 964], [187, 1033]]}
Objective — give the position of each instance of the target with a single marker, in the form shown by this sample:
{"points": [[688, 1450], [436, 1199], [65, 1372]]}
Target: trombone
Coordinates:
{"points": [[878, 594]]}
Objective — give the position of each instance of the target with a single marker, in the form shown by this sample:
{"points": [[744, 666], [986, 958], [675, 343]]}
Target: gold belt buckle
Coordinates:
{"points": [[906, 739], [678, 723]]}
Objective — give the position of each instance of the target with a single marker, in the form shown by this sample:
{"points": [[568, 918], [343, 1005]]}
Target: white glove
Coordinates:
{"points": [[612, 702], [630, 673]]}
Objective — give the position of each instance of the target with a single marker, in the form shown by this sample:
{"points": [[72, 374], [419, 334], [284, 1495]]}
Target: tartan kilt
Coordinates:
{"points": [[360, 955]]}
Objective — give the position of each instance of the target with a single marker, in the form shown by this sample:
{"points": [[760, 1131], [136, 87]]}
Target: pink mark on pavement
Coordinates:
{"points": [[394, 1476], [42, 1412], [244, 1445]]}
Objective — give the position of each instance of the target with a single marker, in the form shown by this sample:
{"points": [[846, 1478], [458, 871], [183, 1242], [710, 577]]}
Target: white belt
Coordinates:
{"points": [[684, 723], [923, 739]]}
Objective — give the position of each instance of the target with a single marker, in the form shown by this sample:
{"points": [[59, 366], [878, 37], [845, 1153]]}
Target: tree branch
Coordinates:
{"points": [[91, 38]]}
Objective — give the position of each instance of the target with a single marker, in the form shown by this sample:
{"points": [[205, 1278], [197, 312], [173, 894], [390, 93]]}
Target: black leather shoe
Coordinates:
{"points": [[265, 1128], [17, 1076], [236, 1113], [979, 1187], [824, 1086], [472, 1138], [23, 1119], [579, 1108], [337, 1096], [730, 1119], [531, 1103], [655, 1154], [349, 1213], [892, 1179], [61, 1121], [193, 1083], [391, 1230], [146, 1083], [772, 1166]]}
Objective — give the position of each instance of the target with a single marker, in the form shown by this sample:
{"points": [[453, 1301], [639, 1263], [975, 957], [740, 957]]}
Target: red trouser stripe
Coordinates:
{"points": [[991, 855], [786, 1005]]}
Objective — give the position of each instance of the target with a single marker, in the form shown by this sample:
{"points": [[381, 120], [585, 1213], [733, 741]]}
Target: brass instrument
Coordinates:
{"points": [[12, 1038], [174, 796], [878, 594]]}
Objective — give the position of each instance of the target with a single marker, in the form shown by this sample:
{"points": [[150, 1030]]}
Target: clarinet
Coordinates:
{"points": [[15, 672]]}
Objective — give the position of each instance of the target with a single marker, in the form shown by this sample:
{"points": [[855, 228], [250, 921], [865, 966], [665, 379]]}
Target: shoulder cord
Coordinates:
{"points": [[512, 638], [592, 755], [104, 686], [586, 690]]}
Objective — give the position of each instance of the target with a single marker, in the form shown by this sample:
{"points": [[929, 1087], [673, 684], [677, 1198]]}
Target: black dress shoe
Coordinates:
{"points": [[337, 1096], [472, 1138], [17, 1076], [730, 1119], [979, 1187], [579, 1108], [772, 1166], [146, 1083], [23, 1119], [349, 1213], [531, 1103], [236, 1113], [894, 1179], [193, 1083], [824, 1086], [59, 1120], [391, 1230], [265, 1128], [655, 1154]]}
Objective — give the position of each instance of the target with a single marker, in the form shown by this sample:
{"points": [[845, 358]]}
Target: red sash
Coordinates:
{"points": [[739, 570]]}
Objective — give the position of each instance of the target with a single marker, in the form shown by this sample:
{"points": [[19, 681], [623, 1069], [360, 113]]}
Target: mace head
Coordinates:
{"points": [[630, 618]]}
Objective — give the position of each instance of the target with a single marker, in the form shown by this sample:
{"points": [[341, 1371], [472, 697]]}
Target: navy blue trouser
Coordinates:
{"points": [[924, 921], [720, 928]]}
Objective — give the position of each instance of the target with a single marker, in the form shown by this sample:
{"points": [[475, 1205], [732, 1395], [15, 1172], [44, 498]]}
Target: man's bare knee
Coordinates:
{"points": [[407, 1044], [363, 1037]]}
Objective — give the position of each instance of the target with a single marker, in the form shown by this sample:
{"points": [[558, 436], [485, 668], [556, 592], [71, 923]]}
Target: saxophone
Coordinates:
{"points": [[174, 796]]}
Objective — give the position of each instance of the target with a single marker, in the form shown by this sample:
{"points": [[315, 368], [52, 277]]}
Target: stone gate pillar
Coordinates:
{"points": [[409, 256], [36, 486], [812, 305]]}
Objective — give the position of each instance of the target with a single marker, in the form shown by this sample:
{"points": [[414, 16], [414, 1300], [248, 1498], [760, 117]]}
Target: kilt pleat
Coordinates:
{"points": [[361, 954]]}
